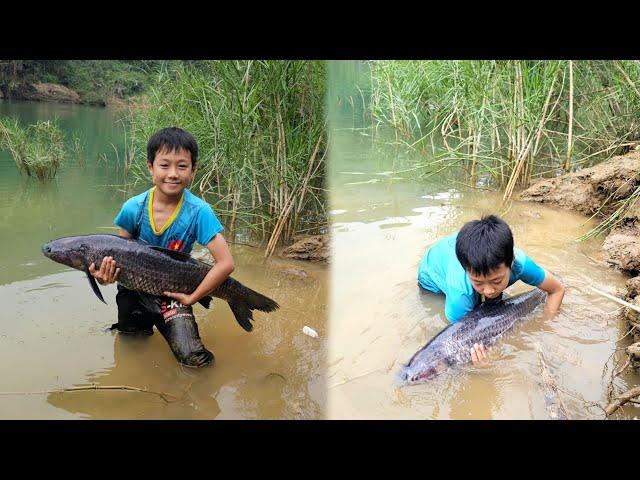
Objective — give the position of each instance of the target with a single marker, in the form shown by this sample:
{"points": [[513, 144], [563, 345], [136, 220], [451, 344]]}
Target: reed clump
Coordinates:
{"points": [[508, 121], [261, 132], [37, 149]]}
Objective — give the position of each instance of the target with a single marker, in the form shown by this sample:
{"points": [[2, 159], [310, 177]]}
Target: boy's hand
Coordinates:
{"points": [[108, 273], [183, 298], [479, 356]]}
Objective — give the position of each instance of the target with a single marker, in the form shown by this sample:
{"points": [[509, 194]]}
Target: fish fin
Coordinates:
{"points": [[243, 315], [94, 286], [205, 301], [173, 253]]}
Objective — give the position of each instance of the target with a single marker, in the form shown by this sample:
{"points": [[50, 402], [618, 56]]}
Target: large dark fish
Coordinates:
{"points": [[486, 324], [154, 270]]}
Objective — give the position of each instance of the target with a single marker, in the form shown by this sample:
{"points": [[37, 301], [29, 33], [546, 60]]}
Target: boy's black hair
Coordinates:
{"points": [[172, 139], [483, 245]]}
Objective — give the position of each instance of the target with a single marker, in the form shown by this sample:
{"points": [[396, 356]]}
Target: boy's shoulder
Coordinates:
{"points": [[447, 243], [520, 259], [193, 201], [136, 200]]}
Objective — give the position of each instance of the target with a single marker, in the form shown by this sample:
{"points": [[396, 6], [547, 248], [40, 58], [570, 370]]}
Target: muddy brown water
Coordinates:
{"points": [[382, 224], [52, 325]]}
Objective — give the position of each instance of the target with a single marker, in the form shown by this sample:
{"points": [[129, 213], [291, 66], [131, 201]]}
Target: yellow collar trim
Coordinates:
{"points": [[170, 219]]}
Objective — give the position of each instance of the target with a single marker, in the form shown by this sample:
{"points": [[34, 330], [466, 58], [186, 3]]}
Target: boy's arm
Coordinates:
{"points": [[555, 294], [535, 275], [108, 273], [221, 270]]}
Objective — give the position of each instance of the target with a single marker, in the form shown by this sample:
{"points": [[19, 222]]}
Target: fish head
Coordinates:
{"points": [[421, 376], [70, 251], [424, 366]]}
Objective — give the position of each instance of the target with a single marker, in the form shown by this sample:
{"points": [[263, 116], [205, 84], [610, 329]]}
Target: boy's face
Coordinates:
{"points": [[492, 284], [171, 171]]}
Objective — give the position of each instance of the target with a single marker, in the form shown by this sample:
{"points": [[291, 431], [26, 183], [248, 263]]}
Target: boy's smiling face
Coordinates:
{"points": [[171, 171], [492, 284]]}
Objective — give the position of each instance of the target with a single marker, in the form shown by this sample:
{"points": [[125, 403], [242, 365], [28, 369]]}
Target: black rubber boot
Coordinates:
{"points": [[179, 328], [133, 318]]}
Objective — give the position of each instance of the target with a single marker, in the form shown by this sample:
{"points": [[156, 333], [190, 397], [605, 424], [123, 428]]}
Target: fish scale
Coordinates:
{"points": [[485, 325]]}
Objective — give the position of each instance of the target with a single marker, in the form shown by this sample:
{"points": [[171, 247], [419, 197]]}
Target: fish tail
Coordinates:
{"points": [[242, 308], [243, 301], [257, 301], [243, 315]]}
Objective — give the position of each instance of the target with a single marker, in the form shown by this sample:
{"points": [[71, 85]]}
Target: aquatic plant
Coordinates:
{"points": [[261, 132], [37, 149], [510, 121]]}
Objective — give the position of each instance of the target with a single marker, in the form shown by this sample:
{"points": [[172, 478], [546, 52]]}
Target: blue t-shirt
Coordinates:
{"points": [[441, 272], [192, 220]]}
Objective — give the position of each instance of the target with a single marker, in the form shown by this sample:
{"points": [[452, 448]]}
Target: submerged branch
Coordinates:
{"points": [[626, 397], [616, 299], [128, 388]]}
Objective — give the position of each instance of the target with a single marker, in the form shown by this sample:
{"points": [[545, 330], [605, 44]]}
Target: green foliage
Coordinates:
{"points": [[95, 80]]}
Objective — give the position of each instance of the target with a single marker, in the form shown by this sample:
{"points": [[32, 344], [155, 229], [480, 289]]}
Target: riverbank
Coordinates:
{"points": [[56, 93], [607, 191]]}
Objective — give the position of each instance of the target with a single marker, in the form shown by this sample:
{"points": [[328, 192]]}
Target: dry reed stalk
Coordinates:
{"points": [[567, 165], [514, 176]]}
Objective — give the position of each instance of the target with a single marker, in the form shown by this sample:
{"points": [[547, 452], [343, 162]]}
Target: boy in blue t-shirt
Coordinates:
{"points": [[169, 216], [477, 264]]}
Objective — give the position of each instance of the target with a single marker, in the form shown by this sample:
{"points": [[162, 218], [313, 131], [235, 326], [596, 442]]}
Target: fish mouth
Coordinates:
{"points": [[48, 251], [419, 377]]}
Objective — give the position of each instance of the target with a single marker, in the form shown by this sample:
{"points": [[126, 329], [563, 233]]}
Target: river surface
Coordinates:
{"points": [[52, 327], [382, 224]]}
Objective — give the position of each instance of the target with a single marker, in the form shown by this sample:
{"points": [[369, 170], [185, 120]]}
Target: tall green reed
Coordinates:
{"points": [[510, 120]]}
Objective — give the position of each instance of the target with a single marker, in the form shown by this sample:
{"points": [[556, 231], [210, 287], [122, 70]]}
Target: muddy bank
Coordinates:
{"points": [[311, 248], [601, 190], [41, 92]]}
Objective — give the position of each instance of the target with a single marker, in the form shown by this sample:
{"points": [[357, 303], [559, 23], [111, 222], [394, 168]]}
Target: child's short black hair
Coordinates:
{"points": [[483, 245], [172, 139]]}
